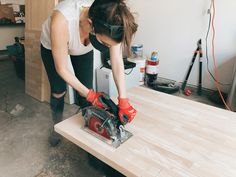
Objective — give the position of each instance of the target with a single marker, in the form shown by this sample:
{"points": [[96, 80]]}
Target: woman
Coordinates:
{"points": [[74, 29]]}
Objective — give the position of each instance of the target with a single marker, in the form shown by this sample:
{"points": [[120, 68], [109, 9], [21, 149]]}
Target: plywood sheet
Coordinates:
{"points": [[37, 12], [36, 81], [173, 137]]}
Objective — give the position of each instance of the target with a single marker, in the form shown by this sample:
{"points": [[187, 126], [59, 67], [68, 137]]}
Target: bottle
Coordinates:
{"points": [[152, 67], [154, 56]]}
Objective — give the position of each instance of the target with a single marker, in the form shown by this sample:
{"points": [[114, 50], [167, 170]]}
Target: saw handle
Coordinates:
{"points": [[112, 107]]}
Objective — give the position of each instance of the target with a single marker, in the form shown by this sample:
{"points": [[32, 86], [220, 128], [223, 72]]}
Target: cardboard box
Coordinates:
{"points": [[6, 11]]}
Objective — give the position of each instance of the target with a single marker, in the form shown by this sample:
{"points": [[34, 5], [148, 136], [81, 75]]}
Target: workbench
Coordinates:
{"points": [[172, 137]]}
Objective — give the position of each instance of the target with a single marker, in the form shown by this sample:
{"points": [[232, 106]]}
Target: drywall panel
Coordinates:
{"points": [[8, 34]]}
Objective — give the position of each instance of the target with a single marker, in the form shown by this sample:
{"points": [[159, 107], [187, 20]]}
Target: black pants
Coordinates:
{"points": [[83, 68]]}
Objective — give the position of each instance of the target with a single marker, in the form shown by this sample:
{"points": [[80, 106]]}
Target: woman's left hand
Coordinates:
{"points": [[126, 111]]}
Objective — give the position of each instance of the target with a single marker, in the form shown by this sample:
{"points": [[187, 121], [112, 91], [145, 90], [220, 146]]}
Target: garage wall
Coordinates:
{"points": [[8, 34], [173, 27]]}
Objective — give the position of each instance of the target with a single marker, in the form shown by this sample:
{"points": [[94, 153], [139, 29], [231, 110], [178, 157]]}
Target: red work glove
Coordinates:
{"points": [[95, 99], [126, 111]]}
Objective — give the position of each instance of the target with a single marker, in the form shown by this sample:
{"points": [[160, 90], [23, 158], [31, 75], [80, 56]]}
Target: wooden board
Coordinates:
{"points": [[37, 12], [173, 137], [6, 11], [36, 80]]}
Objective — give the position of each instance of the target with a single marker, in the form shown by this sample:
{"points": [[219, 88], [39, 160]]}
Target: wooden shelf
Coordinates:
{"points": [[12, 24]]}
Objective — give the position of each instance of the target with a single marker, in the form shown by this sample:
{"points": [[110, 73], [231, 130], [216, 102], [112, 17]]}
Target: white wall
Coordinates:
{"points": [[7, 35], [173, 28]]}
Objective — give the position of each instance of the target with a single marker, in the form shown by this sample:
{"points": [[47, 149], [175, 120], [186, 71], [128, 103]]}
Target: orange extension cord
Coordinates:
{"points": [[214, 58]]}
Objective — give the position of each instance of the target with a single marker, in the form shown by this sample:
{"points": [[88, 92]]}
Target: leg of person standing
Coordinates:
{"points": [[58, 91]]}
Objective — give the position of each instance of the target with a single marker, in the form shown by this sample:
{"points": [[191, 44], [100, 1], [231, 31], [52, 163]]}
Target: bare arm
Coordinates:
{"points": [[118, 69], [59, 39]]}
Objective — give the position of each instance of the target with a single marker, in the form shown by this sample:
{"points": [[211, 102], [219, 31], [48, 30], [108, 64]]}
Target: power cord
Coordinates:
{"points": [[214, 58], [206, 39], [129, 71]]}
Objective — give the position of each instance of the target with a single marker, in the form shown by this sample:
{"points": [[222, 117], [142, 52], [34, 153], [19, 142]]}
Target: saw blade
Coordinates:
{"points": [[104, 125], [94, 124], [97, 117]]}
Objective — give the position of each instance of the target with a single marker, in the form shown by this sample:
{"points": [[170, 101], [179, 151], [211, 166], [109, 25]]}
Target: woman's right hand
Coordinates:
{"points": [[96, 99]]}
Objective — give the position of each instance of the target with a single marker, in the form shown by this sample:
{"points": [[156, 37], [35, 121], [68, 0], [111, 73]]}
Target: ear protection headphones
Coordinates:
{"points": [[115, 31]]}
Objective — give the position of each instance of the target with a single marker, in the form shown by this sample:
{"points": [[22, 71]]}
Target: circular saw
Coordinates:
{"points": [[105, 123]]}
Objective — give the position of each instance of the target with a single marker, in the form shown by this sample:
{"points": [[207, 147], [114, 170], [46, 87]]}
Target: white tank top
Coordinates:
{"points": [[71, 10]]}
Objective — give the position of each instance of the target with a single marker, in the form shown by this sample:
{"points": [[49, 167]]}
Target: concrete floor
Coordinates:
{"points": [[24, 130]]}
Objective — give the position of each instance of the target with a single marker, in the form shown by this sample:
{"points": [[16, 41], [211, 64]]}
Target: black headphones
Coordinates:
{"points": [[115, 31]]}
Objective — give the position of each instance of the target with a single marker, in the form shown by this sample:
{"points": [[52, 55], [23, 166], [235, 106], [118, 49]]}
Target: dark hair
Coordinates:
{"points": [[113, 19]]}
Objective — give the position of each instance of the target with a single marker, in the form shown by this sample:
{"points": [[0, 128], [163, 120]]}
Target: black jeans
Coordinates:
{"points": [[83, 68]]}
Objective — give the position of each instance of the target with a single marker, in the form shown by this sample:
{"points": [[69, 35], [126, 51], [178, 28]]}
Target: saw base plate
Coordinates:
{"points": [[114, 141]]}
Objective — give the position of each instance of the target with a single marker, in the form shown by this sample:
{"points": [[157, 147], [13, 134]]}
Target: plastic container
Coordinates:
{"points": [[141, 65], [17, 53], [137, 50]]}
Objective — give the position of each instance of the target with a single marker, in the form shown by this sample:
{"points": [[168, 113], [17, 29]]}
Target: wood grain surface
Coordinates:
{"points": [[173, 137], [36, 80]]}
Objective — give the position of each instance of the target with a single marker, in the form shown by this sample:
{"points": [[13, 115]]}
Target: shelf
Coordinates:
{"points": [[12, 25]]}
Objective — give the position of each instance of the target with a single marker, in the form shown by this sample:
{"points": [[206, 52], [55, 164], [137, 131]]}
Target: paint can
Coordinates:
{"points": [[140, 64], [137, 50], [151, 67]]}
